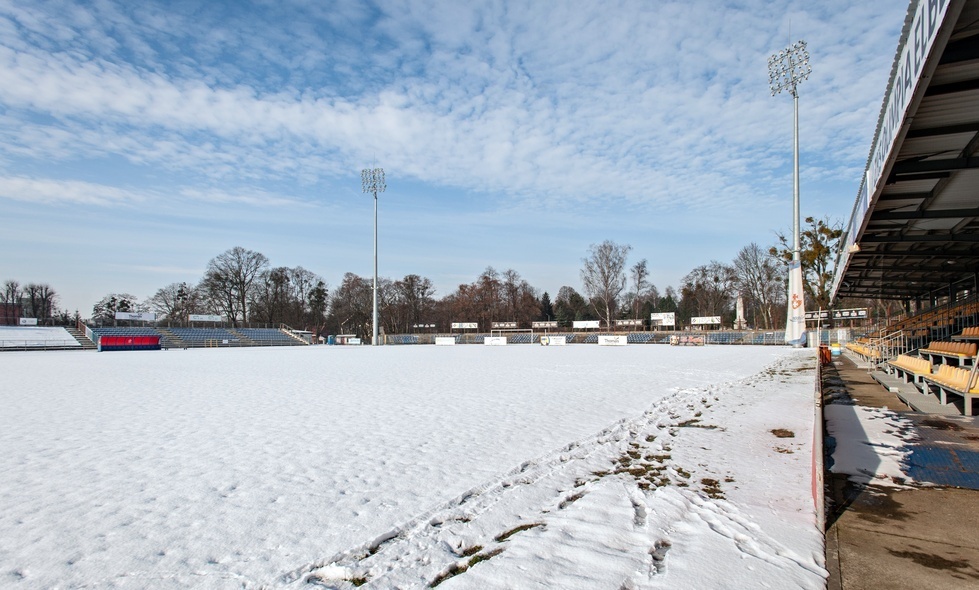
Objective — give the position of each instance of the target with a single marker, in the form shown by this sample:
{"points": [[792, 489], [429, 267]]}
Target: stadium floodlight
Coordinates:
{"points": [[372, 180], [786, 69]]}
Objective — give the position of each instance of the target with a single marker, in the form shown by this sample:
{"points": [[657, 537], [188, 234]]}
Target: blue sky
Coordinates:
{"points": [[138, 140]]}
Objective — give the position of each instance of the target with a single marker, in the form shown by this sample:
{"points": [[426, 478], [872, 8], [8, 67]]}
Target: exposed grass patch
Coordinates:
{"points": [[695, 423], [712, 488], [518, 529], [783, 450], [460, 568], [454, 570], [783, 433], [470, 551], [571, 500], [485, 556]]}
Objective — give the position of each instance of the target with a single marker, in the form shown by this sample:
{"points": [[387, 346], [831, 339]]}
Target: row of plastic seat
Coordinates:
{"points": [[955, 378], [914, 364], [954, 348]]}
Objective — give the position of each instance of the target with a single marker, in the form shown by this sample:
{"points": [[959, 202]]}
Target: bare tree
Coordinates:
{"points": [[229, 280], [604, 278], [175, 301], [104, 312], [760, 278], [640, 274], [11, 292], [41, 300], [707, 289]]}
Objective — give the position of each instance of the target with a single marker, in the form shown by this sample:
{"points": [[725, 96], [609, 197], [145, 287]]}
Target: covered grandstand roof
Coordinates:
{"points": [[915, 224]]}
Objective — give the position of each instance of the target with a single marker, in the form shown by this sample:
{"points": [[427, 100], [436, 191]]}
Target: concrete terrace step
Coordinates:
{"points": [[913, 397], [81, 338]]}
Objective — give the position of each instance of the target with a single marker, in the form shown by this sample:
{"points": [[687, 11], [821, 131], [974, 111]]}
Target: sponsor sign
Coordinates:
{"points": [[550, 324], [504, 325], [838, 314], [628, 323], [145, 316], [613, 340], [28, 321], [197, 317], [928, 17], [465, 326], [424, 326], [553, 340], [495, 341], [445, 341], [586, 325], [706, 320], [663, 319]]}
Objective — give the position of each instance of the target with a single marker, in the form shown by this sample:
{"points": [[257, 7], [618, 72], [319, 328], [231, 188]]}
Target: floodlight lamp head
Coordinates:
{"points": [[372, 180]]}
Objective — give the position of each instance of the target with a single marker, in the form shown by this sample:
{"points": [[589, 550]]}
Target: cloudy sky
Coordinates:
{"points": [[138, 140]]}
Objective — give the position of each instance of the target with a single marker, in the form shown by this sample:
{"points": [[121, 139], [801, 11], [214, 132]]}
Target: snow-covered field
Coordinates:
{"points": [[403, 467]]}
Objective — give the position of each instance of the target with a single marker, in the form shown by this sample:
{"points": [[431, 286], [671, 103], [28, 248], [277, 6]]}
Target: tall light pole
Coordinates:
{"points": [[786, 69], [372, 180]]}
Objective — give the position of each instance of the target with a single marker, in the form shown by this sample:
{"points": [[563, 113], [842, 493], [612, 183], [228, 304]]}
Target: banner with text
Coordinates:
{"points": [[707, 320], [146, 316]]}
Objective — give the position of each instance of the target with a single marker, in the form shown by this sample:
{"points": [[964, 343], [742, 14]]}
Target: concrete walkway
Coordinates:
{"points": [[919, 538]]}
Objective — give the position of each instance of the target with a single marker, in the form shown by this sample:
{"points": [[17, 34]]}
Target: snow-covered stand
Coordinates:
{"points": [[141, 342]]}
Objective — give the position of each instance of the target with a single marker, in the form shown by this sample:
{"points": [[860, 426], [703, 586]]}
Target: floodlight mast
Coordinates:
{"points": [[372, 180], [786, 69]]}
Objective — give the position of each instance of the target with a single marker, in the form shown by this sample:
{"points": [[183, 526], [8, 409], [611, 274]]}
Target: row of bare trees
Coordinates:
{"points": [[242, 286], [33, 300]]}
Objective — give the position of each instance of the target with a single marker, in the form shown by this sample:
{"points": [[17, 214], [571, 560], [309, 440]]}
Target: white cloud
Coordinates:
{"points": [[47, 191]]}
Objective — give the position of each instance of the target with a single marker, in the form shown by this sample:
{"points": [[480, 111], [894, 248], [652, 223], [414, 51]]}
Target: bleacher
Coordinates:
{"points": [[36, 337], [268, 337], [942, 369], [205, 336], [725, 337]]}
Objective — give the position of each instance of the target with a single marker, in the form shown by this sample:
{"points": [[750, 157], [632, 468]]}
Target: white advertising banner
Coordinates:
{"points": [[795, 325], [628, 323], [28, 321], [445, 341], [146, 316], [613, 340], [539, 325], [586, 325], [504, 325], [553, 340], [706, 320], [495, 341], [465, 325], [663, 318], [196, 317]]}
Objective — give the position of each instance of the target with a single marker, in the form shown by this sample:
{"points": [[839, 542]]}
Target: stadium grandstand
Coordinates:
{"points": [[913, 235]]}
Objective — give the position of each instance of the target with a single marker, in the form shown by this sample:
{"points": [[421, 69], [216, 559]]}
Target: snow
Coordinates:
{"points": [[871, 444], [468, 466]]}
